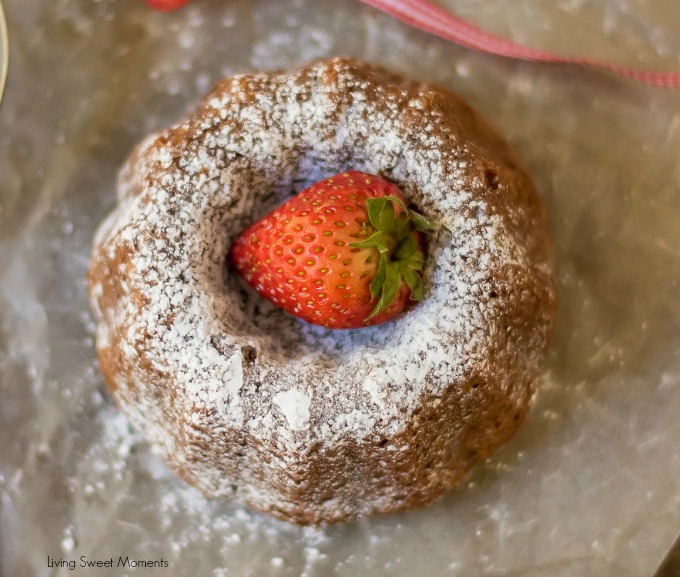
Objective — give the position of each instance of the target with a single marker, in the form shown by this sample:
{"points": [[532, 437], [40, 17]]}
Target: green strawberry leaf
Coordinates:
{"points": [[374, 207], [391, 286], [396, 200], [401, 256], [375, 240], [411, 277], [406, 249], [379, 208], [421, 222], [384, 214], [416, 261], [415, 284], [417, 291], [389, 291], [378, 281]]}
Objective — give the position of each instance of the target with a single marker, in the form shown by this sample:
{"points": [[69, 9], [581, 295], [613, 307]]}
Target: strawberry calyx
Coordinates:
{"points": [[394, 233]]}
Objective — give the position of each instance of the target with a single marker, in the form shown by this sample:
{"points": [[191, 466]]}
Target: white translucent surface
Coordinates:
{"points": [[590, 486]]}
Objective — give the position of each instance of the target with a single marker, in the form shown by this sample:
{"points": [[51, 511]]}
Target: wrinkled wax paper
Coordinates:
{"points": [[591, 484]]}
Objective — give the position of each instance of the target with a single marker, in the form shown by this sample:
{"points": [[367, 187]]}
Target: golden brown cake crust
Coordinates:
{"points": [[308, 424]]}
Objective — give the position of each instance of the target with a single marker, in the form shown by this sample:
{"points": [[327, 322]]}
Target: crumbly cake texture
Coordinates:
{"points": [[312, 425]]}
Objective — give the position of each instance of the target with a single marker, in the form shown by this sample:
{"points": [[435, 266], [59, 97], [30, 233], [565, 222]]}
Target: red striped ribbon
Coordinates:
{"points": [[423, 15]]}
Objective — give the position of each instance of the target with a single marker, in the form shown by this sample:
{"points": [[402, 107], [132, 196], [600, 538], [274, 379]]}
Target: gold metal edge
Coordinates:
{"points": [[4, 44]]}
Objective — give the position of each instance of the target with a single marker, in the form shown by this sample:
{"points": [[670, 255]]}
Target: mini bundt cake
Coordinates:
{"points": [[309, 424]]}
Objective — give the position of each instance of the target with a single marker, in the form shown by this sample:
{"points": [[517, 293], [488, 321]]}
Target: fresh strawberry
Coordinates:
{"points": [[344, 253], [167, 5]]}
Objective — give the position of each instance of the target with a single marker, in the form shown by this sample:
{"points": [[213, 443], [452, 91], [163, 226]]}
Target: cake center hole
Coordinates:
{"points": [[268, 327]]}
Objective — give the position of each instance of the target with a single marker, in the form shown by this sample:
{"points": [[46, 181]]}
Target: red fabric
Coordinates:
{"points": [[425, 16]]}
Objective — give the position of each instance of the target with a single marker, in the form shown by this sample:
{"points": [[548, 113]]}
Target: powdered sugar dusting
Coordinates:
{"points": [[295, 407], [200, 356]]}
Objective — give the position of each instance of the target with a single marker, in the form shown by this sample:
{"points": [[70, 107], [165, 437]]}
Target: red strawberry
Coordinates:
{"points": [[344, 253], [166, 5]]}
